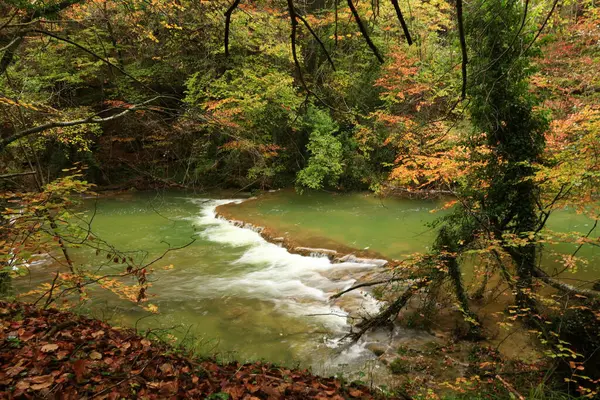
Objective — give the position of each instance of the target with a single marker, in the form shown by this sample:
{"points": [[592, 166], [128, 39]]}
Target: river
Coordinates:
{"points": [[233, 294]]}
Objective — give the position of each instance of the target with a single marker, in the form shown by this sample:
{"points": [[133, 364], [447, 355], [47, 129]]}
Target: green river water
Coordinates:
{"points": [[232, 293]]}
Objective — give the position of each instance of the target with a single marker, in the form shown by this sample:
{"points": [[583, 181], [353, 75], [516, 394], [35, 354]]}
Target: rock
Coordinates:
{"points": [[316, 252], [351, 258], [339, 276]]}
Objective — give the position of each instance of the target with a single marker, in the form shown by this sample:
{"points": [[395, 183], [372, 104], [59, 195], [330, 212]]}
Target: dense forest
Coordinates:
{"points": [[491, 105]]}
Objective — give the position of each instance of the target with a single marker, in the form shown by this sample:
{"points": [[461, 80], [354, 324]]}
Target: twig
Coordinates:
{"points": [[124, 380], [509, 387]]}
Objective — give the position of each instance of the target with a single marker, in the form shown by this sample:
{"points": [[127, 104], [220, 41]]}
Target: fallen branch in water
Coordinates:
{"points": [[564, 287], [389, 314], [366, 284]]}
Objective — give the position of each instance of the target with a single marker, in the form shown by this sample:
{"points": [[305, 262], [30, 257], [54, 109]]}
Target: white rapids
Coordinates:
{"points": [[296, 284]]}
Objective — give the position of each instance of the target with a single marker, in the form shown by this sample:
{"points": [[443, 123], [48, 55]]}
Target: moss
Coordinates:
{"points": [[399, 366]]}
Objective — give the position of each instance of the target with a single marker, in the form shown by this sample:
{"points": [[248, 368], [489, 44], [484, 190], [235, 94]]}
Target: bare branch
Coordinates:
{"points": [[9, 53], [563, 287], [364, 32], [93, 119], [301, 18], [390, 313], [402, 22], [463, 47], [8, 176], [30, 17], [366, 284], [9, 20], [539, 32], [11, 44], [294, 22], [228, 13]]}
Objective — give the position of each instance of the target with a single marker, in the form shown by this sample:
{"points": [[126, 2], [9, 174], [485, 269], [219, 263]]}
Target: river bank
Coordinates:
{"points": [[47, 353]]}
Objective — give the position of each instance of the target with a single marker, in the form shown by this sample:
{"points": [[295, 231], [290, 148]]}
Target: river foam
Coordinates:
{"points": [[294, 283]]}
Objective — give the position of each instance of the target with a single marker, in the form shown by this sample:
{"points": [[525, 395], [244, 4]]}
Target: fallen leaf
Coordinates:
{"points": [[41, 382], [166, 368], [79, 369], [41, 379], [97, 334], [94, 355], [236, 392], [252, 388], [168, 387], [22, 385], [40, 386], [47, 348], [16, 369], [26, 335]]}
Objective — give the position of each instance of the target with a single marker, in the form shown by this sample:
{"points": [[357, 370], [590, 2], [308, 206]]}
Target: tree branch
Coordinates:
{"points": [[539, 32], [390, 313], [14, 45], [294, 22], [366, 284], [9, 53], [228, 13], [93, 119], [8, 176], [364, 32], [563, 287], [463, 47], [85, 49], [402, 22], [305, 22]]}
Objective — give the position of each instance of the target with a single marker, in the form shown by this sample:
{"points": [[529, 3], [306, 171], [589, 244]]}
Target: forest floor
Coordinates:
{"points": [[56, 354]]}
